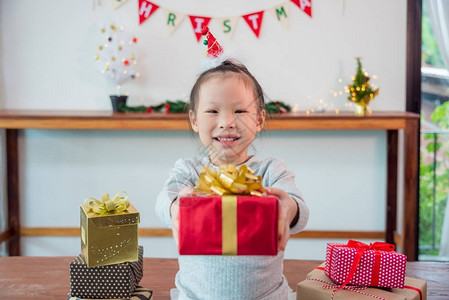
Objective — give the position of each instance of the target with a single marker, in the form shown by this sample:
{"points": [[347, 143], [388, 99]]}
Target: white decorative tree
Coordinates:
{"points": [[116, 57]]}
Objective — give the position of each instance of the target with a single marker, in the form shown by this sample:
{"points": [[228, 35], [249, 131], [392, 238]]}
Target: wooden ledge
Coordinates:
{"points": [[91, 120], [164, 232]]}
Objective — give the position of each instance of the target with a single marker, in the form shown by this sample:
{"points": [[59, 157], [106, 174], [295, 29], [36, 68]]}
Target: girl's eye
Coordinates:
{"points": [[212, 111], [240, 111]]}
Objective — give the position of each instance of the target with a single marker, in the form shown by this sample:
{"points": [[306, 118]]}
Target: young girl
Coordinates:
{"points": [[227, 110]]}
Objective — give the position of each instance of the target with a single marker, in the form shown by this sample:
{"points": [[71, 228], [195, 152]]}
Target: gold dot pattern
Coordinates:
{"points": [[105, 282]]}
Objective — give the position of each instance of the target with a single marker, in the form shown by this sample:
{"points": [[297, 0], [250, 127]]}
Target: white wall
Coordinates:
{"points": [[47, 53]]}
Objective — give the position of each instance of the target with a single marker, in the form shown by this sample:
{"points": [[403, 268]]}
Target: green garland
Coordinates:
{"points": [[168, 106], [277, 107], [179, 106]]}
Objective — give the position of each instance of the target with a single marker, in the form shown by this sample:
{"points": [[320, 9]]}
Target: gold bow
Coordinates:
{"points": [[228, 180], [117, 204]]}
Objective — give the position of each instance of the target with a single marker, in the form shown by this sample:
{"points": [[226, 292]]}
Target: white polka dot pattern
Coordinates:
{"points": [[339, 260], [105, 282]]}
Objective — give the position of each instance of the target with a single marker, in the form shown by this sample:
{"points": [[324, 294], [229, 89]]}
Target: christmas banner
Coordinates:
{"points": [[281, 13], [254, 21], [228, 25], [198, 23], [304, 5], [117, 3], [146, 9], [173, 20]]}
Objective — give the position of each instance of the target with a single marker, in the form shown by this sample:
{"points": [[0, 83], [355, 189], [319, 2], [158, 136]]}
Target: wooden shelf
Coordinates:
{"points": [[36, 119], [391, 122]]}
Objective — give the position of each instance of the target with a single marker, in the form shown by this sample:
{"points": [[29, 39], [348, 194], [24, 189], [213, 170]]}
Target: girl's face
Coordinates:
{"points": [[227, 118]]}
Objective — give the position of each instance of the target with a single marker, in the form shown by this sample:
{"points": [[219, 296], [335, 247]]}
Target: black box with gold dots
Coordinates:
{"points": [[105, 282], [109, 238]]}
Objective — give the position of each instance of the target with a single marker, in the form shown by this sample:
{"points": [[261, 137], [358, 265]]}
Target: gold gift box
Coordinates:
{"points": [[109, 238], [317, 287]]}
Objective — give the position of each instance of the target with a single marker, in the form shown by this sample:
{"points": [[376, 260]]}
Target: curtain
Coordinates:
{"points": [[439, 16]]}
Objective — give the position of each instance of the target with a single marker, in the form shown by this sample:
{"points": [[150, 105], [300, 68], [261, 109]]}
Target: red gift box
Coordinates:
{"points": [[228, 225], [368, 265]]}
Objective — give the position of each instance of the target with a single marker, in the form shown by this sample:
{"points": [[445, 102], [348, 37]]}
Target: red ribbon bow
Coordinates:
{"points": [[362, 247]]}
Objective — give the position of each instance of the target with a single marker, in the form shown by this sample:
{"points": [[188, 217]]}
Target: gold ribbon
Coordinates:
{"points": [[229, 225], [117, 204], [228, 180]]}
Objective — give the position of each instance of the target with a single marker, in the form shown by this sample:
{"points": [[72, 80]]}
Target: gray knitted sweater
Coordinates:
{"points": [[231, 277]]}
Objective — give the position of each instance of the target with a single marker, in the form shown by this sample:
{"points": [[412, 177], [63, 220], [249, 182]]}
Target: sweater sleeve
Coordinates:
{"points": [[281, 177], [181, 176]]}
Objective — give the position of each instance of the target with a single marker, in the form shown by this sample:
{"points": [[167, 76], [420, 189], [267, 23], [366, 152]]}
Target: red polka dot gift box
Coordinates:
{"points": [[356, 263]]}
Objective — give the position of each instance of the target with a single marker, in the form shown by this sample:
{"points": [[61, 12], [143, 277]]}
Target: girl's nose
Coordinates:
{"points": [[227, 121]]}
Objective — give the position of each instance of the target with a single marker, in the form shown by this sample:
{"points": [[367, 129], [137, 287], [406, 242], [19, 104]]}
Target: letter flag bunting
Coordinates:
{"points": [[173, 19]]}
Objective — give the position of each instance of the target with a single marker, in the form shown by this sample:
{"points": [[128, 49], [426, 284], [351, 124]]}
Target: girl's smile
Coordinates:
{"points": [[227, 141]]}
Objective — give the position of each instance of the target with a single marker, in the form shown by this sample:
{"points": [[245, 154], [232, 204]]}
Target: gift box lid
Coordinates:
{"points": [[129, 217]]}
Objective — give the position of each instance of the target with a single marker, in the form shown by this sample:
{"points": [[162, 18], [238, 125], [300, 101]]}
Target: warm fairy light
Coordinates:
{"points": [[340, 80], [375, 77], [340, 93], [116, 65], [337, 111], [307, 112], [335, 94], [295, 108]]}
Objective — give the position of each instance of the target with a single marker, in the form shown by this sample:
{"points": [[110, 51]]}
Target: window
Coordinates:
{"points": [[434, 155]]}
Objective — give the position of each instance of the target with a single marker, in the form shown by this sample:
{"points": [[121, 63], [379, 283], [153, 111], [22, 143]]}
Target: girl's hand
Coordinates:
{"points": [[174, 211], [287, 212]]}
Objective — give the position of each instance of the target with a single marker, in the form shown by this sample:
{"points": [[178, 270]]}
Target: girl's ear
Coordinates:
{"points": [[193, 121], [260, 121]]}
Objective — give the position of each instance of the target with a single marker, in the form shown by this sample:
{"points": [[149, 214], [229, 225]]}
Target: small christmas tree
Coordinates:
{"points": [[360, 91], [115, 57]]}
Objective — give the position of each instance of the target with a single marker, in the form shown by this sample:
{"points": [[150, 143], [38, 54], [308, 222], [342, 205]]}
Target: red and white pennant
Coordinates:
{"points": [[253, 20]]}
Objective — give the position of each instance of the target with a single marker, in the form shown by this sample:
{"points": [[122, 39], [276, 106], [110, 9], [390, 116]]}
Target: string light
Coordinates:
{"points": [[117, 58]]}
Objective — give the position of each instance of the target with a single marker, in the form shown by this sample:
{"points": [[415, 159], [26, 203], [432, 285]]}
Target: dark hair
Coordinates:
{"points": [[224, 68]]}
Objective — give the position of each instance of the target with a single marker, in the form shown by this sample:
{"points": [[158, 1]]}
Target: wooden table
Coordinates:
{"points": [[48, 277], [391, 122]]}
